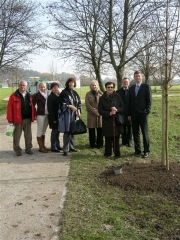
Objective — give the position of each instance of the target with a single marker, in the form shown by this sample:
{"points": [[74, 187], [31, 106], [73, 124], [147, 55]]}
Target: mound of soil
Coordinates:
{"points": [[146, 177]]}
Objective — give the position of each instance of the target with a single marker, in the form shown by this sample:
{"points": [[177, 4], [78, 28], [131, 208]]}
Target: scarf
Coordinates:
{"points": [[94, 93], [45, 95]]}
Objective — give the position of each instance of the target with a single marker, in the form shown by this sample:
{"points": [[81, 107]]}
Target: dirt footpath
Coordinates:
{"points": [[32, 190]]}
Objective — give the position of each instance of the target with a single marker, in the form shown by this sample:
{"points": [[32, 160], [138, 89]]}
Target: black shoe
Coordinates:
{"points": [[107, 155], [145, 155], [55, 150], [73, 150], [99, 147], [137, 154], [59, 148], [29, 151], [129, 145], [18, 153], [65, 154], [93, 146]]}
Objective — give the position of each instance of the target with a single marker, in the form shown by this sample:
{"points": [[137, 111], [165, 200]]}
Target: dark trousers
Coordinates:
{"points": [[127, 135], [140, 121], [112, 142], [55, 139], [95, 137]]}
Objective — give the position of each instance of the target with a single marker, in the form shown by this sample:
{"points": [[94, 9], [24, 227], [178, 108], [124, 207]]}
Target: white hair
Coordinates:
{"points": [[96, 82], [23, 81]]}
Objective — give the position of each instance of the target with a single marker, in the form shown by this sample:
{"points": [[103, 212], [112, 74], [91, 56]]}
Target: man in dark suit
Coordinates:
{"points": [[127, 126], [140, 99]]}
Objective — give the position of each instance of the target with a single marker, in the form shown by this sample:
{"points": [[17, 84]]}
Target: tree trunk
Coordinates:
{"points": [[166, 129], [119, 76], [163, 153], [99, 79]]}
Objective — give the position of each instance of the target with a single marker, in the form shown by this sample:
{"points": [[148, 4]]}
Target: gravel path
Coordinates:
{"points": [[32, 190]]}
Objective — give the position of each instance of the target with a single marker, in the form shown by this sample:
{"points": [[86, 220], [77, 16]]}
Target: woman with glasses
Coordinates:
{"points": [[111, 103]]}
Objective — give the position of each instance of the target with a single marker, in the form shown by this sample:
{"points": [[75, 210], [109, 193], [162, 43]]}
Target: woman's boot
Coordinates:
{"points": [[43, 141], [41, 147]]}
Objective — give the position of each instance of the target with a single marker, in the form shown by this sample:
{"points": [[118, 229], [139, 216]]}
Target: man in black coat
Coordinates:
{"points": [[140, 99], [127, 126]]}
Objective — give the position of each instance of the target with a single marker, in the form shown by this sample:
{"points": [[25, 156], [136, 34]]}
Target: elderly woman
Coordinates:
{"points": [[94, 119], [53, 107], [40, 99], [70, 108], [111, 103]]}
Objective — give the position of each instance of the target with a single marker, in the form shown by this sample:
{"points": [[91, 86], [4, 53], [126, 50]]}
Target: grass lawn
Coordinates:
{"points": [[4, 93], [95, 210]]}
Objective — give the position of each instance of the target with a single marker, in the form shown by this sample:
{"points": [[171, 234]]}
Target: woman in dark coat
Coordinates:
{"points": [[53, 107], [70, 108], [111, 103]]}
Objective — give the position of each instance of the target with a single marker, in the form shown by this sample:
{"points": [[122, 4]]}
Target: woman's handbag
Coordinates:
{"points": [[77, 127], [10, 130], [119, 119]]}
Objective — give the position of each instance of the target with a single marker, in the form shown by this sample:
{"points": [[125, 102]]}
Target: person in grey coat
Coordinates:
{"points": [[70, 108], [111, 103], [94, 119]]}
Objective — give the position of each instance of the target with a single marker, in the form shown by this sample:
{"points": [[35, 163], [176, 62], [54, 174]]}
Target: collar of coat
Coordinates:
{"points": [[17, 93], [109, 97]]}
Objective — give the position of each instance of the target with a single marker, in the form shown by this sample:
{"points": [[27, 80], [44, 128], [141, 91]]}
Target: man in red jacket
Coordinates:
{"points": [[21, 112]]}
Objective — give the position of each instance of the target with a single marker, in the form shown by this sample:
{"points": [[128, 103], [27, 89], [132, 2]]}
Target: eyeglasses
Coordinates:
{"points": [[110, 87]]}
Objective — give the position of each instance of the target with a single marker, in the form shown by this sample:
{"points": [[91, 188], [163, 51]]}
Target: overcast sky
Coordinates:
{"points": [[44, 61]]}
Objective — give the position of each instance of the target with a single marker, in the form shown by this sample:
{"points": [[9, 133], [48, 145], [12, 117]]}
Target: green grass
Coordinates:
{"points": [[4, 93], [91, 205]]}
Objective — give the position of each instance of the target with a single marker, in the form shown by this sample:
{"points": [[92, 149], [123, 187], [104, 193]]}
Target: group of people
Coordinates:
{"points": [[24, 108], [133, 103], [58, 110]]}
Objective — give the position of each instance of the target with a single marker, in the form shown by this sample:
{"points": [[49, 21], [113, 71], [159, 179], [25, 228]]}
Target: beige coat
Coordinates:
{"points": [[94, 120]]}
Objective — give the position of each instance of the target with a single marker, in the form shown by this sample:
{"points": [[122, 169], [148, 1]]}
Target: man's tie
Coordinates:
{"points": [[136, 89], [126, 91]]}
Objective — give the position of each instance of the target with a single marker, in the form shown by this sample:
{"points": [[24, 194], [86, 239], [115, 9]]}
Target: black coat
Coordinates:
{"points": [[104, 109], [53, 107], [125, 98], [140, 103]]}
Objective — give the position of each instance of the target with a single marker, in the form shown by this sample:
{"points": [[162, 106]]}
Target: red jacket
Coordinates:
{"points": [[14, 108]]}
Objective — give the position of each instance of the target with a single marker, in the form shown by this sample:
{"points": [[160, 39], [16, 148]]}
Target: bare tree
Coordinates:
{"points": [[146, 61], [126, 24], [19, 31], [79, 35]]}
